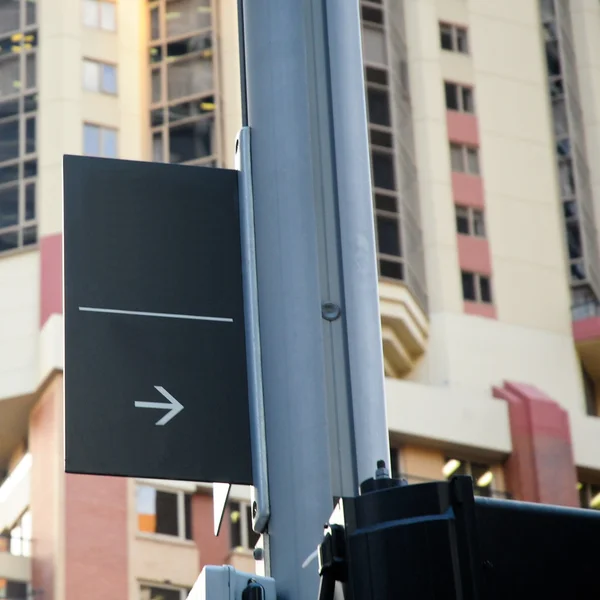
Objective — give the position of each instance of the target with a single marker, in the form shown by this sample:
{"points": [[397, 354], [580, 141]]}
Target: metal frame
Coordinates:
{"points": [[477, 284], [469, 213]]}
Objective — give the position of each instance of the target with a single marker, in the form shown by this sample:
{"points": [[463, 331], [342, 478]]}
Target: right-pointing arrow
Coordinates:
{"points": [[173, 404]]}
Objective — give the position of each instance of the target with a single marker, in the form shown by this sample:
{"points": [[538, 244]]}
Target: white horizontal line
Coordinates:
{"points": [[140, 313]]}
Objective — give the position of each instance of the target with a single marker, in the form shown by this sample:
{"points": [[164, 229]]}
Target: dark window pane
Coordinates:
{"points": [[462, 220], [8, 174], [30, 12], [30, 71], [563, 147], [462, 44], [253, 537], [191, 109], [10, 78], [485, 288], [381, 138], [566, 178], [383, 171], [30, 236], [379, 107], [574, 239], [391, 269], [15, 589], [556, 88], [375, 75], [446, 36], [30, 136], [191, 141], [30, 168], [166, 513], [468, 286], [157, 147], [158, 593], [155, 54], [235, 525], [372, 15], [451, 93], [9, 140], [184, 16], [552, 58], [478, 223], [156, 85], [9, 15], [156, 117], [9, 241], [388, 236], [31, 103], [577, 271], [189, 45], [385, 203], [9, 206], [9, 109], [187, 502], [569, 209], [30, 202], [468, 105], [154, 23]]}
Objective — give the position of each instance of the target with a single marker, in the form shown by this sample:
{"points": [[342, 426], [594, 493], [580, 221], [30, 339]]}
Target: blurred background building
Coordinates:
{"points": [[484, 120]]}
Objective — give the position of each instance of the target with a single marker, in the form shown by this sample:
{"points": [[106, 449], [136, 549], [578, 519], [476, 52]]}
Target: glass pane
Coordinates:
{"points": [[563, 147], [468, 105], [388, 236], [91, 75], [191, 109], [30, 168], [235, 525], [9, 15], [187, 505], [552, 58], [8, 174], [31, 103], [556, 88], [372, 16], [30, 136], [156, 511], [9, 138], [9, 207], [393, 270], [387, 203], [559, 118], [446, 37], [9, 109], [485, 289], [109, 79], [30, 202], [154, 22], [30, 12], [462, 220], [30, 71], [90, 13], [191, 141], [574, 239], [456, 158], [375, 75], [566, 178], [383, 171], [9, 241], [158, 593], [184, 16], [157, 148], [451, 93], [381, 138], [468, 286], [189, 77], [108, 19], [10, 79], [577, 271], [473, 161], [29, 239], [91, 140], [547, 8], [569, 209], [189, 45], [155, 54], [156, 85], [379, 107], [109, 143], [462, 44], [156, 117], [478, 223]]}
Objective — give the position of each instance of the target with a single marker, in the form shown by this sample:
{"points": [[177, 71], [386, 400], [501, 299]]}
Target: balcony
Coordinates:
{"points": [[15, 560], [404, 328], [14, 424], [586, 333]]}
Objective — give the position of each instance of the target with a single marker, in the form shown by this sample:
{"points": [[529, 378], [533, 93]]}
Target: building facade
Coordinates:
{"points": [[484, 124]]}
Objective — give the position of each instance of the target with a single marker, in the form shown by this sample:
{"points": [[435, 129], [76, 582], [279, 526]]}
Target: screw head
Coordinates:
{"points": [[330, 311], [254, 509], [258, 553]]}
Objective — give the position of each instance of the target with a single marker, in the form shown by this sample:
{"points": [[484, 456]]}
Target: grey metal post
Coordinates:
{"points": [[317, 279]]}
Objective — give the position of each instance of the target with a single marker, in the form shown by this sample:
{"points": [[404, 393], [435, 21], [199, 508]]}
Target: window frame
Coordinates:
{"points": [[457, 33], [102, 129], [466, 150], [468, 467], [459, 90], [477, 277], [182, 525], [183, 591], [245, 509], [98, 9], [470, 213], [100, 87]]}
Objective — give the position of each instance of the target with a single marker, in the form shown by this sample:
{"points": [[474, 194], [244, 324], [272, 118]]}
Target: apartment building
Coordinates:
{"points": [[484, 124]]}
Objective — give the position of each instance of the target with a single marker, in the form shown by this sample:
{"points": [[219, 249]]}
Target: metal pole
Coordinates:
{"points": [[317, 281]]}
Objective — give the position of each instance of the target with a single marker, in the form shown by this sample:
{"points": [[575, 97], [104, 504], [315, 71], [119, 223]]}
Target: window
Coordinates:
{"points": [[162, 592], [241, 533], [454, 38], [469, 221], [459, 97], [589, 495], [99, 77], [99, 141], [99, 14], [482, 474], [464, 159], [20, 536], [476, 287], [164, 512]]}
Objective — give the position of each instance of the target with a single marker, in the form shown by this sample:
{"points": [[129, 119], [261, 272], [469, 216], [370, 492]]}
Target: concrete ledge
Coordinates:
{"points": [[15, 568]]}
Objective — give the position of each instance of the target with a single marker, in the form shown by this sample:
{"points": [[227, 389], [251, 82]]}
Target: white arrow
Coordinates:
{"points": [[173, 404]]}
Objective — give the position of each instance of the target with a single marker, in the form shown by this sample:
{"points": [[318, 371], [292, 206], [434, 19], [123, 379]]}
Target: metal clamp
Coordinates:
{"points": [[260, 492]]}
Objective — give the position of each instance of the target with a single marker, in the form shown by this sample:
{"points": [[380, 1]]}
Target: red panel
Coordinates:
{"points": [[480, 310], [541, 467], [51, 277], [467, 190], [213, 550], [462, 128], [474, 254], [586, 329]]}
